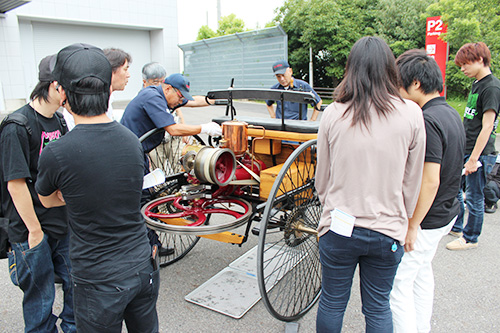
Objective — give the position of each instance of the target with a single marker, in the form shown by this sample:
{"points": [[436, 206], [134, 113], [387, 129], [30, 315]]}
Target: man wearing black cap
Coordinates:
{"points": [[286, 81], [38, 236], [98, 169]]}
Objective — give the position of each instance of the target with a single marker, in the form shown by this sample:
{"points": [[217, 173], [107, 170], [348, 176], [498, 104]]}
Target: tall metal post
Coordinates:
{"points": [[310, 66], [218, 12]]}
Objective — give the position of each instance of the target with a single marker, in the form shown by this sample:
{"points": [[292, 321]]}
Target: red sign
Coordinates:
{"points": [[436, 47]]}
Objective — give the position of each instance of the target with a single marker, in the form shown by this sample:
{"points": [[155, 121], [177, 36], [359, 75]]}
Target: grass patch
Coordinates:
{"points": [[459, 105]]}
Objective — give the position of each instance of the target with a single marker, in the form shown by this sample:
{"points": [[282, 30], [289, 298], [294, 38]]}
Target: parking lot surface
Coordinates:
{"points": [[466, 298]]}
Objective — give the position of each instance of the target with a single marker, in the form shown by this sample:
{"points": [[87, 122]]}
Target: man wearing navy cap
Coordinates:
{"points": [[96, 170], [150, 109], [286, 81]]}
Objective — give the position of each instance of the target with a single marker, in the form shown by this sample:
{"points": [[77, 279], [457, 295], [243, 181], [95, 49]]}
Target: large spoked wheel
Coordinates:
{"points": [[166, 156], [288, 266], [189, 217]]}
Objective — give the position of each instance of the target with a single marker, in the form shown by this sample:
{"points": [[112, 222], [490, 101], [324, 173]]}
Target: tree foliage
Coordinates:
{"points": [[402, 24], [205, 33], [331, 27], [227, 25]]}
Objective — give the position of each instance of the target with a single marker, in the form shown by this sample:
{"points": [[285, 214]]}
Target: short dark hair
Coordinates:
{"points": [[370, 79], [41, 91], [472, 52], [117, 57], [89, 105], [416, 65]]}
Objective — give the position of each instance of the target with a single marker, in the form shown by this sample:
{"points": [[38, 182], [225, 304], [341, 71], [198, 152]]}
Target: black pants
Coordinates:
{"points": [[103, 307], [491, 193]]}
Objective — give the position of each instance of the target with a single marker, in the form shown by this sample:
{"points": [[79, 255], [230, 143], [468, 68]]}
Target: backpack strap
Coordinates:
{"points": [[16, 118], [62, 122]]}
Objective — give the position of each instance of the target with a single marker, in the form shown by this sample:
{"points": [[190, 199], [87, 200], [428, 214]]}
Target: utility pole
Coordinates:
{"points": [[218, 13], [310, 66]]}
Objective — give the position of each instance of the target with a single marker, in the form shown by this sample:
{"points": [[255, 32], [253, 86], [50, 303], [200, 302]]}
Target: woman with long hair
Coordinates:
{"points": [[371, 146]]}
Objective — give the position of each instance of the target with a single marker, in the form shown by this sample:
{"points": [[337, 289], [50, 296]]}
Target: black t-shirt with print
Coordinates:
{"points": [[19, 154], [484, 96]]}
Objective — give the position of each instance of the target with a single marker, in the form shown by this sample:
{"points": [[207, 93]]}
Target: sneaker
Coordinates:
{"points": [[460, 244], [456, 234], [490, 209]]}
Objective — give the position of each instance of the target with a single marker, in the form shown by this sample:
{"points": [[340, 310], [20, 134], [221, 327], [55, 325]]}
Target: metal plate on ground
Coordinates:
{"points": [[231, 292], [234, 290]]}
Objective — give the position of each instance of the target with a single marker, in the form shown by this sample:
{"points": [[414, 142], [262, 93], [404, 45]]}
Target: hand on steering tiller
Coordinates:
{"points": [[212, 129]]}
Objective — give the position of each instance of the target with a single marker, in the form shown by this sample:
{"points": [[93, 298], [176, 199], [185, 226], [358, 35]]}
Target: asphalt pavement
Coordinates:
{"points": [[466, 298]]}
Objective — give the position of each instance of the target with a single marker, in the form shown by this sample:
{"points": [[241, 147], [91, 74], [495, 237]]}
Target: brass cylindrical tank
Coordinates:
{"points": [[235, 136]]}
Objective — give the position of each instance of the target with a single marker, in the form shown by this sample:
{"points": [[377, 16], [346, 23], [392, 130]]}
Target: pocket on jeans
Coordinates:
{"points": [[387, 253], [103, 308], [155, 283], [13, 267]]}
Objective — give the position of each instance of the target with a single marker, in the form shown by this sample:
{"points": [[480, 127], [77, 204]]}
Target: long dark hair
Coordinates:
{"points": [[370, 78]]}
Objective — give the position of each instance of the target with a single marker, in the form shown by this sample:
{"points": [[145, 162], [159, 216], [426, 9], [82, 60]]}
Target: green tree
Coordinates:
{"points": [[331, 27], [205, 33], [402, 23], [468, 21], [229, 25]]}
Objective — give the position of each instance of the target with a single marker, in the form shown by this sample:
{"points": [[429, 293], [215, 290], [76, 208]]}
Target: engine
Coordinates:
{"points": [[229, 164]]}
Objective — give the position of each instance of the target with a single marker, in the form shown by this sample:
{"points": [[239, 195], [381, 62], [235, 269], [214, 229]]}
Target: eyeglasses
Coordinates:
{"points": [[178, 93]]}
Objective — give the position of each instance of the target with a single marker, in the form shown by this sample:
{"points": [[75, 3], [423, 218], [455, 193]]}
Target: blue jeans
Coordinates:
{"points": [[378, 257], [102, 307], [474, 187], [32, 270]]}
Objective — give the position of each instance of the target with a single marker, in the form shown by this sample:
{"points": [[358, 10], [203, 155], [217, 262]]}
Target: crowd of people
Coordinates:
{"points": [[71, 186]]}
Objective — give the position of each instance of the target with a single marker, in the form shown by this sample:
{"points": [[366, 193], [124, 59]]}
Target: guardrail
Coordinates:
{"points": [[324, 92]]}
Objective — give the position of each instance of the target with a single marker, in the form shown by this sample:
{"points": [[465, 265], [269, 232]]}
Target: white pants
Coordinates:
{"points": [[413, 292]]}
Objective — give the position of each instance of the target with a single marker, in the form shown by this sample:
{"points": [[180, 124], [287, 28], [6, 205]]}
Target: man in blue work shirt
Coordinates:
{"points": [[286, 81]]}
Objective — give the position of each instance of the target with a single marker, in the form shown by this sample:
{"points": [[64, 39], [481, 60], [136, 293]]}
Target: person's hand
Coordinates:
{"points": [[35, 238], [411, 238], [212, 129], [470, 166]]}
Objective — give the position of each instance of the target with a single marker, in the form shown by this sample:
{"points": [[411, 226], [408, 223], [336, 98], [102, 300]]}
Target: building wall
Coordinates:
{"points": [[145, 29]]}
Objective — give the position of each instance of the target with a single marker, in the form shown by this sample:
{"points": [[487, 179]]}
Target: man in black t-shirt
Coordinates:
{"points": [[480, 122], [97, 171], [38, 236], [437, 207]]}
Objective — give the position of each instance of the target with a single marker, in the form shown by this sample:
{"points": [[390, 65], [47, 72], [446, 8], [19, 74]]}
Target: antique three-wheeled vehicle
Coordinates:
{"points": [[259, 173]]}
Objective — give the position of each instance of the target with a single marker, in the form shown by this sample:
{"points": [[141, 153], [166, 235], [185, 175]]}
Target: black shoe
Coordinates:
{"points": [[490, 209], [57, 279], [166, 251]]}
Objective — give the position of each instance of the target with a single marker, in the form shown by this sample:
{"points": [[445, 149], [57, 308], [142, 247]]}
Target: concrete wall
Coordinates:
{"points": [[39, 28]]}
